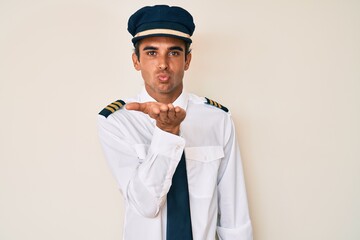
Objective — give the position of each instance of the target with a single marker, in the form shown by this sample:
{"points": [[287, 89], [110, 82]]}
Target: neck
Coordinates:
{"points": [[165, 98]]}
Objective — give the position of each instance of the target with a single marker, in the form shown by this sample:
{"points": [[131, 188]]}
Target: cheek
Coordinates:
{"points": [[145, 74], [178, 65], [149, 66], [146, 66]]}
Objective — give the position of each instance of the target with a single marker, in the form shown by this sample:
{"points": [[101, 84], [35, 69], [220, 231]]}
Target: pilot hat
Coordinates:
{"points": [[161, 20]]}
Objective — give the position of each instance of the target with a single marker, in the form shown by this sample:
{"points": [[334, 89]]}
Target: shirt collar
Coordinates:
{"points": [[181, 101]]}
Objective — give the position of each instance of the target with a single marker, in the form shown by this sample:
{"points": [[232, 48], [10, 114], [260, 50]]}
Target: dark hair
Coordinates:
{"points": [[137, 50]]}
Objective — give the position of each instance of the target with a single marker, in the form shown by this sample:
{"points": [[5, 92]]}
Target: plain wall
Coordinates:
{"points": [[289, 71]]}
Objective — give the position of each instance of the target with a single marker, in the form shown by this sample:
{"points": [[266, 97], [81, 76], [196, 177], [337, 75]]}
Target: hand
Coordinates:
{"points": [[168, 117]]}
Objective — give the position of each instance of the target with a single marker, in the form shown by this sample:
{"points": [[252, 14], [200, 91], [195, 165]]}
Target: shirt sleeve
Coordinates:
{"points": [[234, 220], [144, 183]]}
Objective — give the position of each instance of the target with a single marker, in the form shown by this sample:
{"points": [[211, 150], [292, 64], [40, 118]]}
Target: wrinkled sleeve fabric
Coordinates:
{"points": [[234, 220], [145, 182]]}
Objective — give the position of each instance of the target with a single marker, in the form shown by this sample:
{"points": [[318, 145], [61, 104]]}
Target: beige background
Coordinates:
{"points": [[288, 70]]}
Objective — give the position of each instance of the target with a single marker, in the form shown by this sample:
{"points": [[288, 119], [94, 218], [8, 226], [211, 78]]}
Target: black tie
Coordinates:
{"points": [[178, 206]]}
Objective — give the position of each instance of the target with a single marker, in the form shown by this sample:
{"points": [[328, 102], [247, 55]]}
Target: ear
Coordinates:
{"points": [[187, 62], [136, 62]]}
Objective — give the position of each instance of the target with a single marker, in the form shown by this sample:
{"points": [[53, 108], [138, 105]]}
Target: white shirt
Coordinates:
{"points": [[143, 159]]}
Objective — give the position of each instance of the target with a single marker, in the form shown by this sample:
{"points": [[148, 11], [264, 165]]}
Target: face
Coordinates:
{"points": [[162, 64]]}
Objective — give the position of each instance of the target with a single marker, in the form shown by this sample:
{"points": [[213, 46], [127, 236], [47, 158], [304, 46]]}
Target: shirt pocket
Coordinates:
{"points": [[202, 164]]}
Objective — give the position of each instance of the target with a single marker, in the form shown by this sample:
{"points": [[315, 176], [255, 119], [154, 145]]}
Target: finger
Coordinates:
{"points": [[154, 111], [171, 111], [163, 115], [180, 113], [177, 110], [133, 106], [141, 107]]}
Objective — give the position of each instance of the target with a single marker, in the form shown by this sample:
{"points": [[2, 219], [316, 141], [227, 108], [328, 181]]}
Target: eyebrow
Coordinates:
{"points": [[170, 48], [149, 48], [176, 48]]}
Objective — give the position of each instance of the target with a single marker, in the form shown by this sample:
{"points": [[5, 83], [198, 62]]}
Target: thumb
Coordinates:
{"points": [[133, 106], [137, 106]]}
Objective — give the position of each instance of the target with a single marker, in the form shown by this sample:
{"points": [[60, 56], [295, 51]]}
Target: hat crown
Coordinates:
{"points": [[161, 17]]}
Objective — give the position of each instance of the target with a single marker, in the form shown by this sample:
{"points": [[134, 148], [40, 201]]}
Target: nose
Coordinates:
{"points": [[163, 65]]}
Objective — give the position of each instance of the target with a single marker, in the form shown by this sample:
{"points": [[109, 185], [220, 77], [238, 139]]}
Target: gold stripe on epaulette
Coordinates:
{"points": [[114, 106], [117, 103], [214, 103], [110, 109]]}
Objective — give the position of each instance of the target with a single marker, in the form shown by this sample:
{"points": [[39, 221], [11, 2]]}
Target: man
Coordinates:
{"points": [[174, 154]]}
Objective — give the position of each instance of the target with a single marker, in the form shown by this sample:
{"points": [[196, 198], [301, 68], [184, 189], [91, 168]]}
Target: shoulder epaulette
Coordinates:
{"points": [[215, 104], [111, 108]]}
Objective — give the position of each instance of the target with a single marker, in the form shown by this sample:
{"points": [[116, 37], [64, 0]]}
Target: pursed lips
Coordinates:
{"points": [[163, 77]]}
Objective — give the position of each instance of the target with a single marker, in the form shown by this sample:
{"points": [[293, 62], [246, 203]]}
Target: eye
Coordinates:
{"points": [[151, 53], [174, 53]]}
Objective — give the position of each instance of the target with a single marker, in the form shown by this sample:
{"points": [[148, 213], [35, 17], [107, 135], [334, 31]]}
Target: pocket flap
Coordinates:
{"points": [[204, 154]]}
